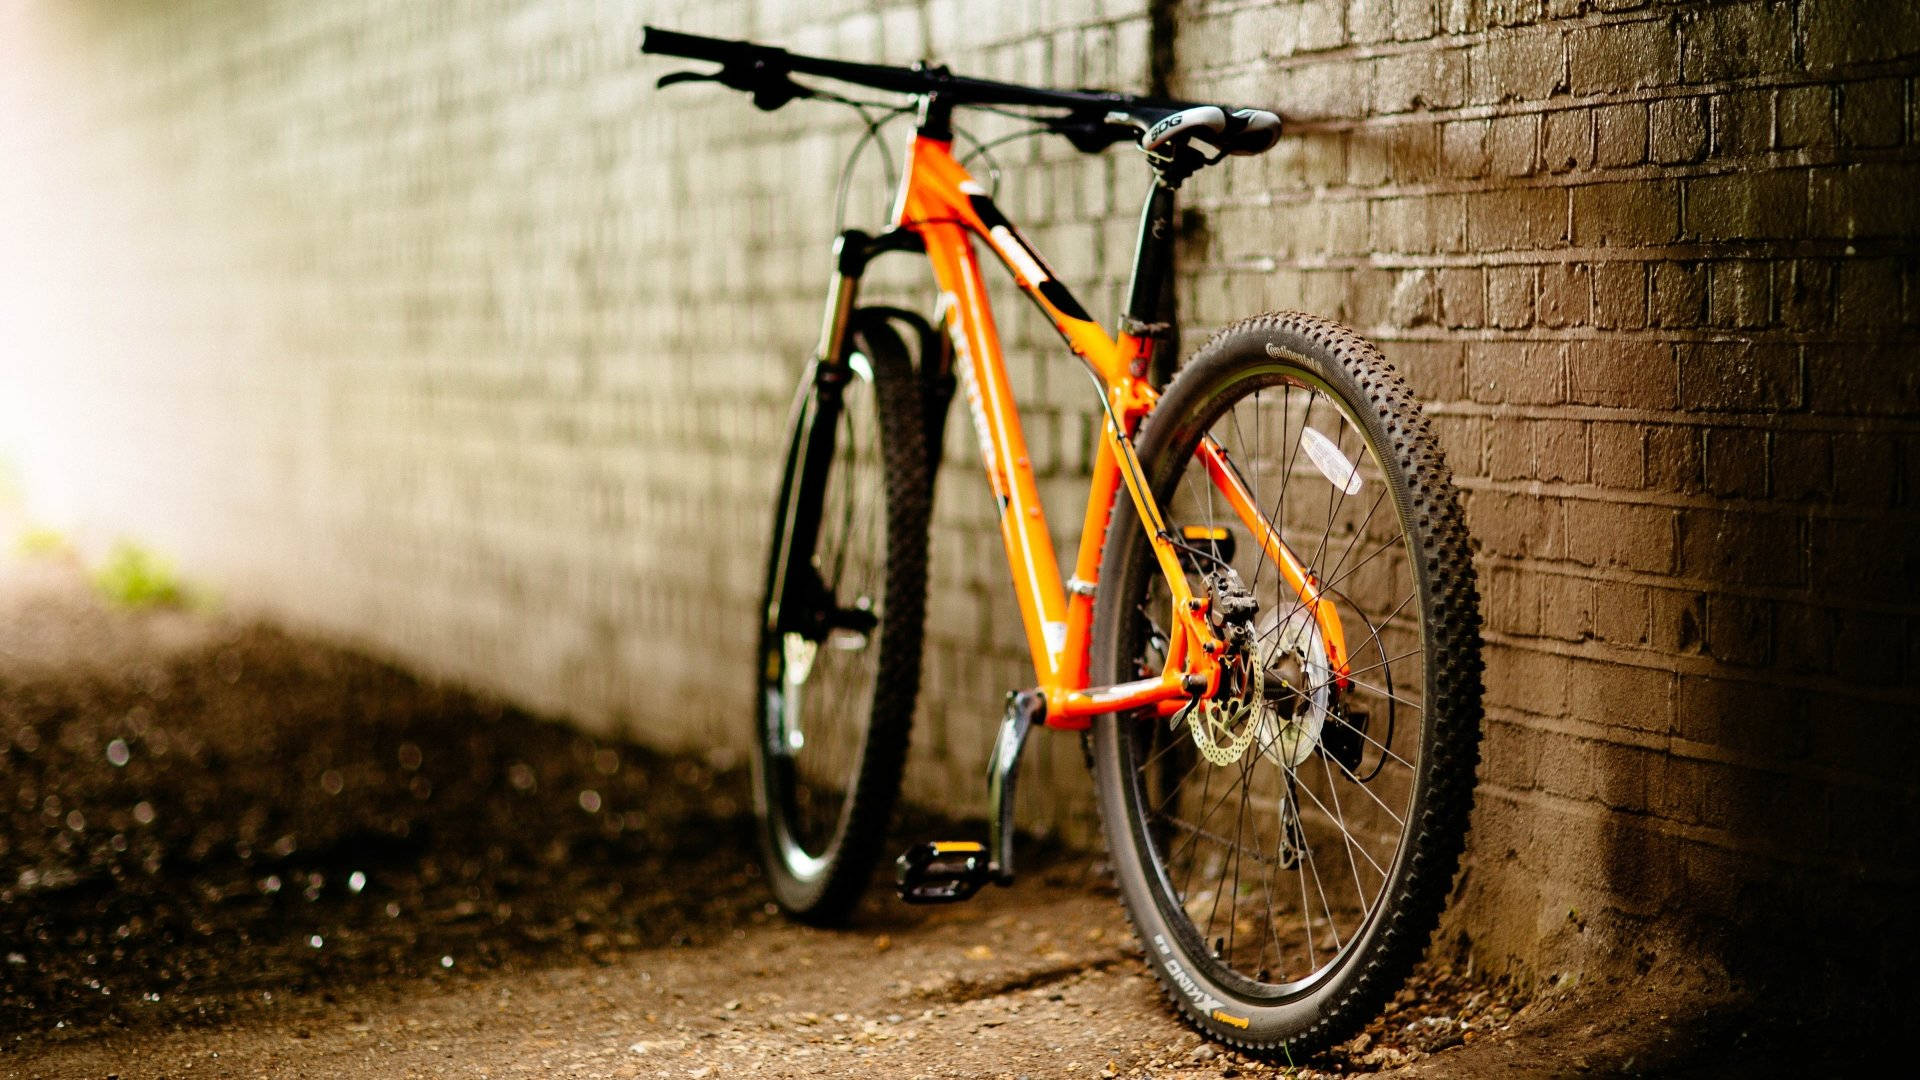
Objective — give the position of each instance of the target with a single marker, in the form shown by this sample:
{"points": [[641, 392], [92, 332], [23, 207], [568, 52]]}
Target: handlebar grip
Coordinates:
{"points": [[695, 47]]}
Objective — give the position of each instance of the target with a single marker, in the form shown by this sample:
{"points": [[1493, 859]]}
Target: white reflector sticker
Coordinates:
{"points": [[1330, 461]]}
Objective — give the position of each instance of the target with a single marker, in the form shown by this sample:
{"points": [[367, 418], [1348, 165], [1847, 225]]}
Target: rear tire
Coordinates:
{"points": [[1246, 914], [835, 705]]}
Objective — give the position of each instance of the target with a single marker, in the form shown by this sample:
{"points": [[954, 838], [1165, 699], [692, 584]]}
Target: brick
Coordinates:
{"points": [[1321, 24], [1526, 680], [1747, 205], [1617, 455], [1848, 558], [1736, 547], [1741, 123], [1522, 218], [1567, 140], [1872, 379], [1867, 294], [1463, 298], [1435, 369], [1732, 41], [1865, 468], [1739, 294], [1464, 148], [1566, 608], [1413, 153], [1620, 534], [1803, 294], [1566, 295], [1509, 452], [1674, 459], [1620, 613], [1679, 621], [1518, 526], [1369, 22], [1625, 374], [1513, 601], [1620, 695], [1566, 769], [1867, 649], [1560, 451], [1625, 774], [1511, 755], [1679, 295], [1803, 637], [1619, 295], [1409, 82], [1415, 20], [1510, 296], [1510, 12], [1739, 630], [1620, 135], [1520, 373], [1804, 116], [1802, 465], [1739, 375], [1631, 56], [1513, 144], [1627, 214], [1735, 462], [1865, 200], [1415, 300], [1677, 130], [1524, 66], [1837, 36]]}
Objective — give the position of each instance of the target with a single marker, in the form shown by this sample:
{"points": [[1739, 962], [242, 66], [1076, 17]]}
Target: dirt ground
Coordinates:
{"points": [[229, 851]]}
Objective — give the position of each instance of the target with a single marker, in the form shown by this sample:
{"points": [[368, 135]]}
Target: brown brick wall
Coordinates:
{"points": [[1654, 265], [435, 326]]}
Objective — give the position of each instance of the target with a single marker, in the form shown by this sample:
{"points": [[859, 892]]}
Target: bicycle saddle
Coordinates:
{"points": [[1243, 132]]}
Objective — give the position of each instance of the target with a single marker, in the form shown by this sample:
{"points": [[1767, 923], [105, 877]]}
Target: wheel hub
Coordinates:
{"points": [[1298, 686]]}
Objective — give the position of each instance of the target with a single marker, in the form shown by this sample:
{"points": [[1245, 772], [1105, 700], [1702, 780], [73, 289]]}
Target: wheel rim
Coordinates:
{"points": [[816, 692], [1273, 866]]}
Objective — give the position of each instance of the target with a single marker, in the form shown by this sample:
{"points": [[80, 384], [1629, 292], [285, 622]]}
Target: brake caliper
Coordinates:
{"points": [[1223, 725]]}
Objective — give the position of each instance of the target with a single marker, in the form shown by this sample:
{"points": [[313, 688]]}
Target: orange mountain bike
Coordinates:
{"points": [[1272, 641]]}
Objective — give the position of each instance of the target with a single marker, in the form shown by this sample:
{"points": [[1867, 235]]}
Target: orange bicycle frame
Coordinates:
{"points": [[940, 202]]}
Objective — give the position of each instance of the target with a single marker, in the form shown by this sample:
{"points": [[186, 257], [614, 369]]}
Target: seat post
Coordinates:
{"points": [[1152, 256]]}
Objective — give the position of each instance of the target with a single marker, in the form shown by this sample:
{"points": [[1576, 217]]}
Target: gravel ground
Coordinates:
{"points": [[230, 851]]}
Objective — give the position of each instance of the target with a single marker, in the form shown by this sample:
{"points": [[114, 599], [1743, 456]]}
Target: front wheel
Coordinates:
{"points": [[1284, 876], [839, 655]]}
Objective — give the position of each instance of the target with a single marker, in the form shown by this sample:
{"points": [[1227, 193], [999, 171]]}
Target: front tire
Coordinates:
{"points": [[1284, 896], [839, 667]]}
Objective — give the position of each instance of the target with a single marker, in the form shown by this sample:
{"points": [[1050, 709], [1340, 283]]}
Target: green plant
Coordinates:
{"points": [[135, 577], [41, 542]]}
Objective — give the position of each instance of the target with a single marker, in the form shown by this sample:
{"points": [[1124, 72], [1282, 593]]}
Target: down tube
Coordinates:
{"points": [[1003, 445]]}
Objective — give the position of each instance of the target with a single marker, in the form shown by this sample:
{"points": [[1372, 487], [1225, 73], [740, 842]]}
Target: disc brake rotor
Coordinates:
{"points": [[1223, 727]]}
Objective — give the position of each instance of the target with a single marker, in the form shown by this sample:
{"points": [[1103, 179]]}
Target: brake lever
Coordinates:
{"points": [[667, 80], [770, 88]]}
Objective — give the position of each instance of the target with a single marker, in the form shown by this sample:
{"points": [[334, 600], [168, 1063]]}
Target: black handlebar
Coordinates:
{"points": [[766, 67], [1094, 119]]}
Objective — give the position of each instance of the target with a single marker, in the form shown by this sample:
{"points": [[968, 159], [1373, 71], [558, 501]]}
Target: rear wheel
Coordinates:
{"points": [[840, 643], [1285, 871]]}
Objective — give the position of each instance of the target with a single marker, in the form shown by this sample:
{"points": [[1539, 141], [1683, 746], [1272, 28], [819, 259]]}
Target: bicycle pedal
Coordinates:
{"points": [[941, 872], [1205, 548]]}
